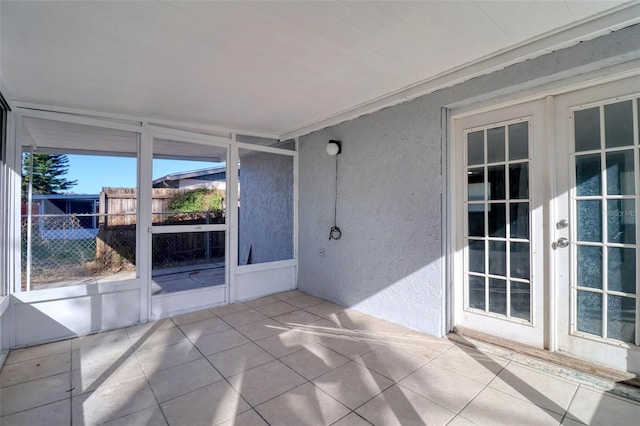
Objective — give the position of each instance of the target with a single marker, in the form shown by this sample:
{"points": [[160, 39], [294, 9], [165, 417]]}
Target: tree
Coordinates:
{"points": [[48, 170]]}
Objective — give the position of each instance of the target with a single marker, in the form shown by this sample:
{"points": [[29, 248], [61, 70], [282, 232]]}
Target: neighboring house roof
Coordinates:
{"points": [[66, 196], [192, 174]]}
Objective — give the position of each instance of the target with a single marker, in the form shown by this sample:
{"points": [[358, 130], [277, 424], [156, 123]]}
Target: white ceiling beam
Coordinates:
{"points": [[132, 119]]}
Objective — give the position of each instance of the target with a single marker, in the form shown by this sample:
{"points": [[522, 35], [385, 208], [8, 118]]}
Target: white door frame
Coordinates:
{"points": [[172, 303], [511, 328]]}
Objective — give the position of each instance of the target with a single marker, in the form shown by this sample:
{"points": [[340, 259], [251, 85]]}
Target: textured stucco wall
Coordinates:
{"points": [[388, 262], [266, 206]]}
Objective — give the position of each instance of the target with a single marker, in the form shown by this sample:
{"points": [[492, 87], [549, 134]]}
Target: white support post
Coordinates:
{"points": [[14, 155], [143, 232], [296, 176], [7, 220], [232, 218], [446, 224]]}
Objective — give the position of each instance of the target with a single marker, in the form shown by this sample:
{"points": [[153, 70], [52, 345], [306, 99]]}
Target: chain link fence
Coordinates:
{"points": [[65, 249], [69, 249]]}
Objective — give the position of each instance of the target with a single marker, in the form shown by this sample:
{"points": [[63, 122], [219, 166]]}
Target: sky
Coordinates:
{"points": [[93, 172]]}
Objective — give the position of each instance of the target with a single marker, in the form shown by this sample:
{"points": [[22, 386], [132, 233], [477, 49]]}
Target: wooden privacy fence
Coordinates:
{"points": [[118, 205], [116, 240]]}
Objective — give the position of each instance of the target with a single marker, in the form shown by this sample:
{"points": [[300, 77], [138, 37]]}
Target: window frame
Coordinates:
{"points": [[4, 188]]}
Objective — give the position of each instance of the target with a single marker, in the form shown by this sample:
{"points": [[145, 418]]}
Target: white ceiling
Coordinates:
{"points": [[270, 67]]}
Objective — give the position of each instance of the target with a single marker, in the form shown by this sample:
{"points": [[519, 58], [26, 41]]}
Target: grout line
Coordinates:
{"points": [[218, 371], [70, 385], [439, 404], [38, 406], [146, 376], [307, 381], [133, 346], [223, 378], [348, 414], [456, 416], [486, 385], [472, 399], [37, 378], [566, 412], [253, 407], [259, 415], [276, 358], [12, 362]]}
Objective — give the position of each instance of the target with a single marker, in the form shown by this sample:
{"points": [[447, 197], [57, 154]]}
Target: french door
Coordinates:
{"points": [[598, 184], [499, 272], [189, 226], [546, 241]]}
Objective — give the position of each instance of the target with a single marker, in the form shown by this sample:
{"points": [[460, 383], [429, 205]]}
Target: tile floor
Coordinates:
{"points": [[169, 280], [287, 359]]}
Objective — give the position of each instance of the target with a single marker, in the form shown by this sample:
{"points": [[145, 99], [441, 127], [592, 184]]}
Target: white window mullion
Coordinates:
{"points": [[605, 223], [507, 223], [487, 287], [636, 166]]}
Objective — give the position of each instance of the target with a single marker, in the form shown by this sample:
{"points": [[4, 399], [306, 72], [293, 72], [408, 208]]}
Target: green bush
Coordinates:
{"points": [[198, 200]]}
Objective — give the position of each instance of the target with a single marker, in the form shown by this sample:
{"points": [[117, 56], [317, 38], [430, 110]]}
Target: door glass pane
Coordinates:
{"points": [[475, 184], [588, 180], [520, 260], [521, 300], [519, 141], [189, 188], [519, 220], [475, 148], [618, 124], [495, 144], [589, 266], [607, 265], [476, 292], [187, 261], [519, 181], [498, 258], [497, 296], [189, 183], [620, 173], [476, 220], [496, 182], [621, 221], [476, 256], [590, 312], [495, 217], [621, 318], [621, 267], [587, 129], [497, 220], [590, 220]]}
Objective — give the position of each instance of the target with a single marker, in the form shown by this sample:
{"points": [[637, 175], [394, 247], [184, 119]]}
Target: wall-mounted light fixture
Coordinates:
{"points": [[334, 148]]}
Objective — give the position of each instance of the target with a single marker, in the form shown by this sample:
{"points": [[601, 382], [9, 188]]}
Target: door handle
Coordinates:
{"points": [[561, 243]]}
